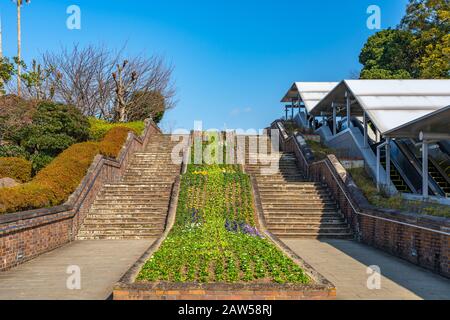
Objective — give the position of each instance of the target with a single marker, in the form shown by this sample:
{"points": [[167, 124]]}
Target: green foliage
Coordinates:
{"points": [[388, 55], [419, 48], [99, 128], [6, 73], [37, 81], [15, 168], [214, 238], [40, 161], [15, 114], [13, 151], [319, 150], [54, 184], [382, 200], [54, 128]]}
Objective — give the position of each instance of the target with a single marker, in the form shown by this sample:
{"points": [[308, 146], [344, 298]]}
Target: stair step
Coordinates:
{"points": [[127, 216], [87, 226], [122, 231], [307, 229], [346, 236], [114, 220]]}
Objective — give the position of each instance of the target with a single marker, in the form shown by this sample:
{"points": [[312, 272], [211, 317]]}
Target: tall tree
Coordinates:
{"points": [[418, 48], [388, 54], [19, 43], [429, 22]]}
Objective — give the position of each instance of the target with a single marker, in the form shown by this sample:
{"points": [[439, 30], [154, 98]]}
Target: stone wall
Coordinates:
{"points": [[419, 239], [25, 235]]}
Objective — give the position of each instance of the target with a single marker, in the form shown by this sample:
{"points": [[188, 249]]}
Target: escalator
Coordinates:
{"points": [[398, 177], [406, 163], [438, 164]]}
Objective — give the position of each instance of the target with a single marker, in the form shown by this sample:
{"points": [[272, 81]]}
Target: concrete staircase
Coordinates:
{"points": [[294, 207], [137, 206]]}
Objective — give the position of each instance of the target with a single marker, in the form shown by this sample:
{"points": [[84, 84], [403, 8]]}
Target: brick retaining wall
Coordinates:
{"points": [[419, 239], [25, 235], [173, 291]]}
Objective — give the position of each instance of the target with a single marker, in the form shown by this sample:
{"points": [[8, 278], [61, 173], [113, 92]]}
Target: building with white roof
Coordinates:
{"points": [[374, 115]]}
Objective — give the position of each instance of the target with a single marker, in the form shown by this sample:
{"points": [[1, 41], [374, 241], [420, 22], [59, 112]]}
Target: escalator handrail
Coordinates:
{"points": [[438, 168], [397, 167], [403, 175], [432, 184]]}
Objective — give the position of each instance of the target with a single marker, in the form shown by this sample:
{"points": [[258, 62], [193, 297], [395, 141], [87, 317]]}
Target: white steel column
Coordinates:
{"points": [[379, 165], [425, 168], [366, 135], [388, 162], [334, 119], [347, 95]]}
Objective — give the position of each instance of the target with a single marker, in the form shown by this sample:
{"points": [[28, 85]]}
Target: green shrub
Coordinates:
{"points": [[54, 128], [99, 128], [40, 161], [54, 184], [381, 199], [15, 168], [13, 151], [15, 114], [319, 150]]}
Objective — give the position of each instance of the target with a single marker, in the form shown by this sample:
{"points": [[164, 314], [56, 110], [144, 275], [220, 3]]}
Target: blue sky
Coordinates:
{"points": [[233, 60]]}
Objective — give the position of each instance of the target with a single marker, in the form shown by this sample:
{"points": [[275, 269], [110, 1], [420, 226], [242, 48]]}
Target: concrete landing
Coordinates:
{"points": [[102, 264], [345, 263]]}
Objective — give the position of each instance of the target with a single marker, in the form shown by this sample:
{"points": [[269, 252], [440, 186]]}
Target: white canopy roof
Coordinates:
{"points": [[390, 103], [436, 123], [310, 92]]}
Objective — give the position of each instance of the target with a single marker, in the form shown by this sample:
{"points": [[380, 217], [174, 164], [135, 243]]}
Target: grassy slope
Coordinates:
{"points": [[99, 128], [365, 183]]}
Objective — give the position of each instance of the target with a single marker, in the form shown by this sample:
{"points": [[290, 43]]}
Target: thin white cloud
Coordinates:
{"points": [[237, 111]]}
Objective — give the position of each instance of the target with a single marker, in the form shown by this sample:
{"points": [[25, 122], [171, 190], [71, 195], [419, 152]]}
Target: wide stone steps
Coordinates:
{"points": [[147, 179], [298, 196], [137, 206], [286, 205], [114, 220], [156, 225], [119, 235], [161, 215], [294, 207], [305, 220], [314, 235]]}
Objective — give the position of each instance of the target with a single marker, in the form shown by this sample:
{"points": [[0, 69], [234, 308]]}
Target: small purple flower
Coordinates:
{"points": [[233, 226], [195, 215]]}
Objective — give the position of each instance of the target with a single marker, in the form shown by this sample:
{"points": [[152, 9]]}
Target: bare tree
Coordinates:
{"points": [[123, 88], [102, 83]]}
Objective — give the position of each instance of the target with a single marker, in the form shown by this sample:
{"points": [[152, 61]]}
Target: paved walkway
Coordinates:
{"points": [[102, 264], [345, 264]]}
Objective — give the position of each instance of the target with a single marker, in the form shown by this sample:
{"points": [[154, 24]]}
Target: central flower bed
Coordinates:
{"points": [[215, 239]]}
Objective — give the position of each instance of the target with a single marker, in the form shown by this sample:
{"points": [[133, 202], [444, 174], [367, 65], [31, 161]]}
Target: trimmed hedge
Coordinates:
{"points": [[99, 128], [56, 182], [15, 168]]}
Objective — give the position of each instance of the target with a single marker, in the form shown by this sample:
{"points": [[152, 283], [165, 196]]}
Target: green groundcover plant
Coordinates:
{"points": [[98, 128], [214, 238]]}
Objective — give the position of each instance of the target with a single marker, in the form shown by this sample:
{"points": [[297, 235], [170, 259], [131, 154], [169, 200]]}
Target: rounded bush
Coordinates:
{"points": [[56, 182], [15, 168]]}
